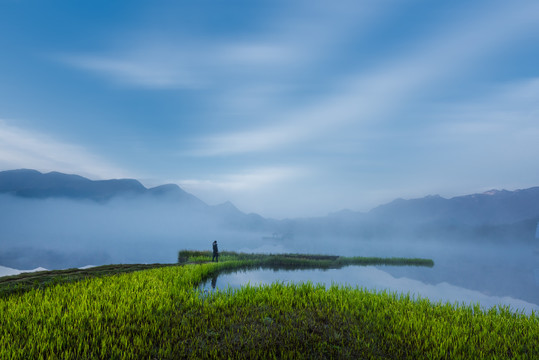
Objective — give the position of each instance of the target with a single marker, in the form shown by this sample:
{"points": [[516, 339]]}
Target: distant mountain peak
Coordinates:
{"points": [[34, 184], [166, 189], [227, 205], [490, 207], [493, 192]]}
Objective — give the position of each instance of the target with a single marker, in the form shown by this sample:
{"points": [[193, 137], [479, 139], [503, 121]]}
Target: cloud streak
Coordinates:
{"points": [[244, 186], [29, 149], [383, 92], [149, 72], [366, 94]]}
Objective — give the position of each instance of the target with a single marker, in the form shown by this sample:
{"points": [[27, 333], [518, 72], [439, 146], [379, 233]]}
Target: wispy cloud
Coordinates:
{"points": [[338, 89], [278, 48], [256, 54], [506, 111], [21, 148], [507, 115], [247, 180], [148, 70], [365, 97], [248, 188], [473, 145]]}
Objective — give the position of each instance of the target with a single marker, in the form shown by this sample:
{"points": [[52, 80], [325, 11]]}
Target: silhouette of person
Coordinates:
{"points": [[214, 282], [215, 252]]}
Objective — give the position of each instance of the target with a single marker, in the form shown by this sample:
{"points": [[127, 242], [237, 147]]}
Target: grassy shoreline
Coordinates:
{"points": [[17, 284], [23, 282], [300, 260], [158, 313]]}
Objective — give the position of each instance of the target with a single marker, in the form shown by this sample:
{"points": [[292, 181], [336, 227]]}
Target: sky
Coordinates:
{"points": [[284, 108]]}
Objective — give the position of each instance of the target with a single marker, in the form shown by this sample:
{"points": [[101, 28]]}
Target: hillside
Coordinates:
{"points": [[57, 220], [502, 215], [492, 208], [33, 184]]}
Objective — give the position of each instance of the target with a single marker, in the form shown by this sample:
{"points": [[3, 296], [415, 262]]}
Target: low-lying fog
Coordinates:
{"points": [[55, 234], [60, 233]]}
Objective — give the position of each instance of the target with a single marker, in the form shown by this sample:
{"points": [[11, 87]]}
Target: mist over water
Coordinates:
{"points": [[493, 269], [465, 271], [63, 233]]}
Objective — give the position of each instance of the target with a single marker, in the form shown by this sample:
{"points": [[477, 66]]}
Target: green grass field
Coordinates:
{"points": [[160, 314], [37, 280]]}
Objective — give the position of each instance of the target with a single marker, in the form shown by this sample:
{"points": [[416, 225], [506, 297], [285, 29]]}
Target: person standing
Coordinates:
{"points": [[215, 252]]}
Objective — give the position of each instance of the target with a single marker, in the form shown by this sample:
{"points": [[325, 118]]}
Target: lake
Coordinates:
{"points": [[377, 278]]}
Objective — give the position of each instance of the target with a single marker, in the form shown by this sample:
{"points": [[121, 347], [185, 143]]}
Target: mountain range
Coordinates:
{"points": [[491, 213], [33, 184]]}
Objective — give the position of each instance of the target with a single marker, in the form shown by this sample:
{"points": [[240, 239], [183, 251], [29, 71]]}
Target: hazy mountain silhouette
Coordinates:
{"points": [[493, 212], [33, 184], [57, 220], [27, 183], [491, 207]]}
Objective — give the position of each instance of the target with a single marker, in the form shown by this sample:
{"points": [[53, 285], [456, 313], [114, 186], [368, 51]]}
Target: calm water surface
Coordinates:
{"points": [[372, 278]]}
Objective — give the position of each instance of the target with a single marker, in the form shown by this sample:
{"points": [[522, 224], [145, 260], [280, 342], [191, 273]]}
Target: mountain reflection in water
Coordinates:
{"points": [[371, 278]]}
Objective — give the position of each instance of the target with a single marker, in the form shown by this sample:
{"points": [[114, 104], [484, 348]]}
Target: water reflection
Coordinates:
{"points": [[214, 281], [371, 278]]}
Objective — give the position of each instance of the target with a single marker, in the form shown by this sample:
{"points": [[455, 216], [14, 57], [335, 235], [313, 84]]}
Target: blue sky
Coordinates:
{"points": [[285, 108]]}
